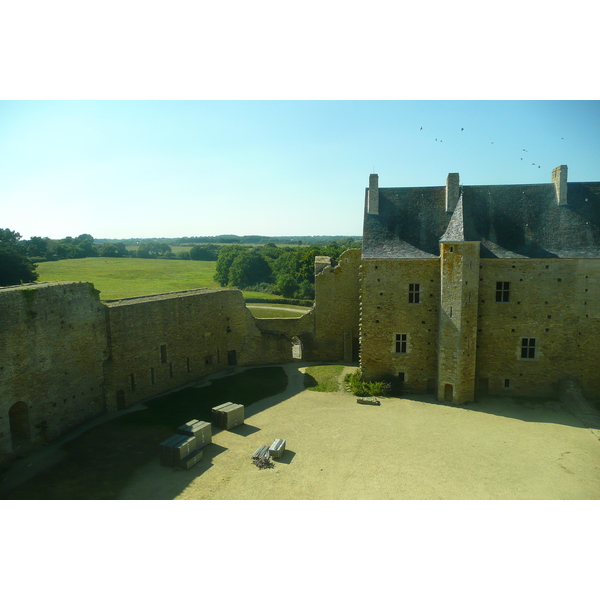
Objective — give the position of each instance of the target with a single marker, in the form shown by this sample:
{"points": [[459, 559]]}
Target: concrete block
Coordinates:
{"points": [[277, 448], [188, 461]]}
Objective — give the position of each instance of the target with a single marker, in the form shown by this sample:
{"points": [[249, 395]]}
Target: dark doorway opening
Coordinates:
{"points": [[401, 380], [355, 349], [20, 430], [120, 399], [231, 358], [448, 392], [484, 386]]}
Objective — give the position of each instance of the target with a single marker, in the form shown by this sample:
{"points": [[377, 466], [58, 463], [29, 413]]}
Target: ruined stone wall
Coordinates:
{"points": [[386, 313], [53, 341], [283, 331], [556, 302], [337, 310], [162, 342]]}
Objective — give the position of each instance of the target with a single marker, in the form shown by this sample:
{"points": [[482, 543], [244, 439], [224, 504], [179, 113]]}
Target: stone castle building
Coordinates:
{"points": [[458, 290], [489, 289]]}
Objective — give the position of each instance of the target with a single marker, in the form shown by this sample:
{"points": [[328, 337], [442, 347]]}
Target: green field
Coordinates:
{"points": [[129, 277]]}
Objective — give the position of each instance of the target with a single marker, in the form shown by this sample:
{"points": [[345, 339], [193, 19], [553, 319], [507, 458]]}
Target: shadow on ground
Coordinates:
{"points": [[100, 461], [537, 410]]}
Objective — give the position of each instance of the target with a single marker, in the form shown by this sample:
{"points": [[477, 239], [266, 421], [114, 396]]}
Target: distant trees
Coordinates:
{"points": [[286, 271], [113, 250], [204, 252], [153, 250], [15, 266]]}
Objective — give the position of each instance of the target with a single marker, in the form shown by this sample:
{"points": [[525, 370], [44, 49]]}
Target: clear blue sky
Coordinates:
{"points": [[121, 169]]}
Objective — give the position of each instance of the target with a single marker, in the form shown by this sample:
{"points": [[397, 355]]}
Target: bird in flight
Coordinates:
{"points": [[462, 128]]}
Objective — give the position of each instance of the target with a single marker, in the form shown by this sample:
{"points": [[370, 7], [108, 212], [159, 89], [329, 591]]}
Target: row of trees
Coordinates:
{"points": [[43, 249], [286, 271]]}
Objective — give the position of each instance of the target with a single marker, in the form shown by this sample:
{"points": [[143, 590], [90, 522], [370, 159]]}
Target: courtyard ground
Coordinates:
{"points": [[406, 448]]}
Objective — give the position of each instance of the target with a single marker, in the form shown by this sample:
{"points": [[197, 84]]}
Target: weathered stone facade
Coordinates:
{"points": [[489, 289], [53, 346]]}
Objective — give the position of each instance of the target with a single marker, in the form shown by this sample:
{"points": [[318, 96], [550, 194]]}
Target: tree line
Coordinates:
{"points": [[284, 271]]}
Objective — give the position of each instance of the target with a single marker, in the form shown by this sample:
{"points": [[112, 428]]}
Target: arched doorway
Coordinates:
{"points": [[296, 348], [20, 431], [448, 392]]}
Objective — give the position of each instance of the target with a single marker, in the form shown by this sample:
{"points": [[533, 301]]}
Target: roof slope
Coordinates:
{"points": [[510, 221]]}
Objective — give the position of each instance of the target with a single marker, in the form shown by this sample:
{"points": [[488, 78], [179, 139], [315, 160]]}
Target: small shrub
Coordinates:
{"points": [[359, 387]]}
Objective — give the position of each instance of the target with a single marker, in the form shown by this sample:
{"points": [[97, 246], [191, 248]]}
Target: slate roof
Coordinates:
{"points": [[510, 221]]}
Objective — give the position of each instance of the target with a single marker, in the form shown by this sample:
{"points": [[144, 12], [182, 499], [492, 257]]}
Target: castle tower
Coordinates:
{"points": [[459, 292]]}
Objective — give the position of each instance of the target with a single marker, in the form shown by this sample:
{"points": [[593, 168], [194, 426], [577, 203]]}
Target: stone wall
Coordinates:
{"points": [[162, 342], [386, 313], [67, 357], [53, 342], [556, 302], [337, 310]]}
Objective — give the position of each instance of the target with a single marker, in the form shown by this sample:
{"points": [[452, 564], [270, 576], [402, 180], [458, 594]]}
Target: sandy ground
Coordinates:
{"points": [[404, 449]]}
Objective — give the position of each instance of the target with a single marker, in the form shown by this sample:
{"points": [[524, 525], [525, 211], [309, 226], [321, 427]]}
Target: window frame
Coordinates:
{"points": [[502, 292], [528, 349], [401, 343], [414, 293]]}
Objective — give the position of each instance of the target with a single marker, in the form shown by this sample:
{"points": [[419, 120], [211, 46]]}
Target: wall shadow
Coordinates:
{"points": [[532, 410]]}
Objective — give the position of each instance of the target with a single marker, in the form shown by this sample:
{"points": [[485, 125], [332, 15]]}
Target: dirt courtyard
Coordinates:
{"points": [[417, 449]]}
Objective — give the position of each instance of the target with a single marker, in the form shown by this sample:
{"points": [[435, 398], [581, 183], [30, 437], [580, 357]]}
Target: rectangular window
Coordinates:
{"points": [[132, 381], [414, 293], [187, 366], [163, 354], [152, 375], [507, 383], [401, 343], [502, 291], [528, 348]]}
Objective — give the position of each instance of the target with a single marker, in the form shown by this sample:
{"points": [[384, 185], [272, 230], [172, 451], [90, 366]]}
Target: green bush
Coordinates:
{"points": [[359, 387]]}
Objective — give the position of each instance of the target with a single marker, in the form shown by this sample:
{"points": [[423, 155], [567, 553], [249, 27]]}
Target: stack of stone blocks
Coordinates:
{"points": [[228, 415], [184, 449]]}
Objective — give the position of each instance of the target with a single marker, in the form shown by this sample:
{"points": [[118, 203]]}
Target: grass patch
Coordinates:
{"points": [[101, 461], [275, 311], [323, 378], [129, 277]]}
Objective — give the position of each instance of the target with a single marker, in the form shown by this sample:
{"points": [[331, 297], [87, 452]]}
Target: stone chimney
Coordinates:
{"points": [[373, 195], [559, 179], [452, 191]]}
